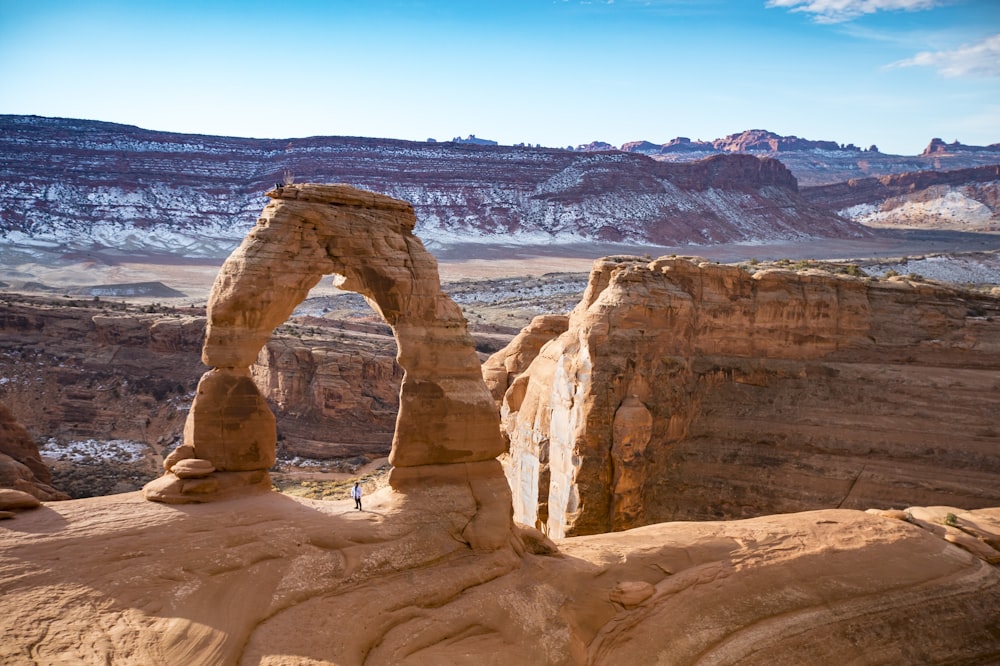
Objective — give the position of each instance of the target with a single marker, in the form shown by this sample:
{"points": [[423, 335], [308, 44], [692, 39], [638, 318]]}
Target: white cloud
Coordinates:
{"points": [[836, 11], [982, 59]]}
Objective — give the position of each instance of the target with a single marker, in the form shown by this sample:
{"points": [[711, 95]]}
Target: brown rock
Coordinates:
{"points": [[318, 583], [631, 593], [192, 468], [21, 467], [687, 390], [535, 541], [18, 477], [4, 515], [502, 368], [182, 452], [16, 442], [230, 423], [17, 499]]}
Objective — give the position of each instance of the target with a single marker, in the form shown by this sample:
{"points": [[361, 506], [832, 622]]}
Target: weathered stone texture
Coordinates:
{"points": [[446, 414], [766, 393]]}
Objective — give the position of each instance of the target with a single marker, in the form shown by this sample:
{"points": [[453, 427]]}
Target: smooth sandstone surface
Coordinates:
{"points": [[269, 579]]}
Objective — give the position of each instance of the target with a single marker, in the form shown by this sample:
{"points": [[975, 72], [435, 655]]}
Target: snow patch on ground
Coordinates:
{"points": [[93, 451], [980, 269]]}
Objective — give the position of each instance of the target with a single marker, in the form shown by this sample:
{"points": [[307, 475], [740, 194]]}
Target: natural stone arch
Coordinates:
{"points": [[446, 414]]}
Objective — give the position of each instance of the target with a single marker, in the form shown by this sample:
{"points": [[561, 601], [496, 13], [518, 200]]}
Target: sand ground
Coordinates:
{"points": [[193, 277]]}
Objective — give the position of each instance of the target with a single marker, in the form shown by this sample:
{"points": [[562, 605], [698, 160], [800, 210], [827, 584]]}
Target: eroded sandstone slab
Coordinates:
{"points": [[446, 414]]}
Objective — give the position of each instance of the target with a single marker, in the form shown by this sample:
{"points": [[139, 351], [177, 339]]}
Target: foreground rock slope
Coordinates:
{"points": [[270, 580], [686, 390]]}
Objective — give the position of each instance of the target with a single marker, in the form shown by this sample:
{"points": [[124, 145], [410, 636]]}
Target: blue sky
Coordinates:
{"points": [[554, 72]]}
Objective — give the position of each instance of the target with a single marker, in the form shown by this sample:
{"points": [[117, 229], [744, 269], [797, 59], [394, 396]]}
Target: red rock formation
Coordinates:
{"points": [[939, 147], [447, 426], [765, 393], [21, 468]]}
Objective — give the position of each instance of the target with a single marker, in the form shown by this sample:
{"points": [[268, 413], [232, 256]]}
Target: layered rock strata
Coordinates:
{"points": [[447, 422], [685, 390]]}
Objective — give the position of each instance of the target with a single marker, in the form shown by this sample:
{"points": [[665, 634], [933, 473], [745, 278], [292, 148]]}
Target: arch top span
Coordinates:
{"points": [[446, 413]]}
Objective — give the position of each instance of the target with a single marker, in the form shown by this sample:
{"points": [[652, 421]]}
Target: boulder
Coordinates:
{"points": [[17, 499], [192, 468], [21, 466]]}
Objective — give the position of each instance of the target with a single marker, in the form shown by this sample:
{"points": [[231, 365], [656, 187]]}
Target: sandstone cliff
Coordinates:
{"points": [[89, 372], [89, 377], [685, 390]]}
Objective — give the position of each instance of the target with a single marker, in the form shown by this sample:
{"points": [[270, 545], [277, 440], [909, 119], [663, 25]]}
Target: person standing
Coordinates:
{"points": [[356, 494]]}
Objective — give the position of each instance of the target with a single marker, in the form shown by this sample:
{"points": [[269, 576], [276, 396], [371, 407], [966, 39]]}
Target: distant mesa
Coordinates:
{"points": [[939, 147], [750, 141], [474, 140], [129, 289], [121, 290]]}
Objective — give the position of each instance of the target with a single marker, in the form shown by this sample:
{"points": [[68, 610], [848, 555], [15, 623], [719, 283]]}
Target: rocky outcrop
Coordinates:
{"points": [[816, 163], [685, 390], [94, 373], [274, 580], [963, 199], [447, 426], [21, 468], [503, 367], [939, 147]]}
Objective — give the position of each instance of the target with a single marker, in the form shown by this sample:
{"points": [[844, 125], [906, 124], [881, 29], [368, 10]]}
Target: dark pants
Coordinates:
{"points": [[357, 503]]}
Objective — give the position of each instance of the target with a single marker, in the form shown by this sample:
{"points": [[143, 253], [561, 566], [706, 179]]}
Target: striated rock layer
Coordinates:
{"points": [[447, 425], [685, 390]]}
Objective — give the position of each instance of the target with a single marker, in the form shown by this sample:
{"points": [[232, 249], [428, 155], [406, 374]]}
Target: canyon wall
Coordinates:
{"points": [[98, 375], [686, 390], [75, 185]]}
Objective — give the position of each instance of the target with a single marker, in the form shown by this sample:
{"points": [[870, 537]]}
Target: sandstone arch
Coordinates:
{"points": [[446, 413]]}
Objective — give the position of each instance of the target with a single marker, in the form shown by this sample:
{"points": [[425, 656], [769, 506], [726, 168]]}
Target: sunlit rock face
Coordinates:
{"points": [[446, 414], [686, 390]]}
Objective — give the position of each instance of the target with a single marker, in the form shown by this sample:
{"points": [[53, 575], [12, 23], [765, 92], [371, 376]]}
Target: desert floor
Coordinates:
{"points": [[30, 271]]}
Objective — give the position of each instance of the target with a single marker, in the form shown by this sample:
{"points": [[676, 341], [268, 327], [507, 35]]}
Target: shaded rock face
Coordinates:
{"points": [[331, 397], [684, 390], [21, 468], [446, 415]]}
